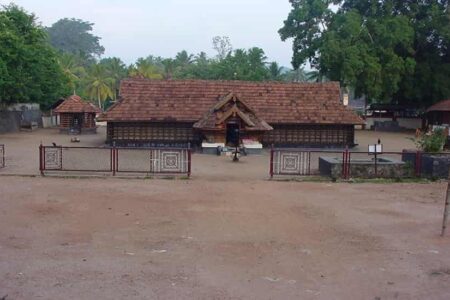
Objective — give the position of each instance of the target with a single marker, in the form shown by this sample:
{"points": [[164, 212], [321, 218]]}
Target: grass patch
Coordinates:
{"points": [[303, 179], [389, 180], [355, 180]]}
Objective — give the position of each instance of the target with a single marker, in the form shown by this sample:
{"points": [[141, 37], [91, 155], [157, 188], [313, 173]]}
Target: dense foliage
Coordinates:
{"points": [[100, 80], [432, 141], [389, 50], [29, 71], [74, 36]]}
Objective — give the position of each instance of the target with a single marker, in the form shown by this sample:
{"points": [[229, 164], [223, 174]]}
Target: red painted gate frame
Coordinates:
{"points": [[114, 160]]}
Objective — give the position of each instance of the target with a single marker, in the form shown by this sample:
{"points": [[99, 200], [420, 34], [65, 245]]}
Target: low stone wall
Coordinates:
{"points": [[435, 165], [13, 116], [431, 165], [401, 123], [385, 168]]}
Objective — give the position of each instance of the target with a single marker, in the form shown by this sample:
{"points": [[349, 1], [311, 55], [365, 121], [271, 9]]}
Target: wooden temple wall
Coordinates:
{"points": [[282, 135], [129, 132], [66, 120], [310, 135], [89, 120]]}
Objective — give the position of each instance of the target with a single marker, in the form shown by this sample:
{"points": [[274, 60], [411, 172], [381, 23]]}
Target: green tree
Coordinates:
{"points": [[99, 84], [116, 70], [184, 59], [389, 50], [298, 75], [29, 70], [315, 76], [243, 65], [276, 72], [74, 36], [72, 69], [203, 67], [145, 69], [169, 65]]}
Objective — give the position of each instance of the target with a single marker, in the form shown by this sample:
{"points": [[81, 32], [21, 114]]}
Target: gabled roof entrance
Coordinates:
{"points": [[229, 109]]}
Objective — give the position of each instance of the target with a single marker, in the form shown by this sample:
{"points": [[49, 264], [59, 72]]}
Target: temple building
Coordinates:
{"points": [[227, 113], [76, 116]]}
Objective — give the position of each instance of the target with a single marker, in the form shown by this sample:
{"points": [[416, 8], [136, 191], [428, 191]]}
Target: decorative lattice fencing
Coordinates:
{"points": [[149, 161], [346, 164], [298, 162]]}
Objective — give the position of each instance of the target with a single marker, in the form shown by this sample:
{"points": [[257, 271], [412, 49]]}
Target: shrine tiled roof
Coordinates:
{"points": [[440, 106], [74, 104]]}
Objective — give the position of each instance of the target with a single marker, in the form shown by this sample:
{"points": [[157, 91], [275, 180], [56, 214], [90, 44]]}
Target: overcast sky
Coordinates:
{"points": [[136, 28]]}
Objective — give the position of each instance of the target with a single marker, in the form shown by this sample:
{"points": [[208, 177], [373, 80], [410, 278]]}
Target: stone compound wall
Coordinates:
{"points": [[431, 165], [435, 165], [13, 116], [9, 121], [386, 168]]}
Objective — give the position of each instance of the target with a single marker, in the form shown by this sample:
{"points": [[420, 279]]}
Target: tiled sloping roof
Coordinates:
{"points": [[74, 104], [440, 106], [189, 100]]}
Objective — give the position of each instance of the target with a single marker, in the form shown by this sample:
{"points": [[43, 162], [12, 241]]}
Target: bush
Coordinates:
{"points": [[431, 142]]}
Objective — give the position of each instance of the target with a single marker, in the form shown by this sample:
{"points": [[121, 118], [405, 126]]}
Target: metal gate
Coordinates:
{"points": [[169, 161], [289, 162]]}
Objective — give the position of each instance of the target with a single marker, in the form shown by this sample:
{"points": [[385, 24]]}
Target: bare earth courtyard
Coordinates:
{"points": [[228, 233]]}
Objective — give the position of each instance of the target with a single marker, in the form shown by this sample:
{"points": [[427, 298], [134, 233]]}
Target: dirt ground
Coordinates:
{"points": [[227, 233], [198, 239]]}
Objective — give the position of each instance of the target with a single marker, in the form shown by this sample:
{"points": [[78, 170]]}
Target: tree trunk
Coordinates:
{"points": [[99, 101]]}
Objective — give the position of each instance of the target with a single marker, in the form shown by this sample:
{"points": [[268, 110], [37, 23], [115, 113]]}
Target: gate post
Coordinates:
{"points": [[41, 159], [2, 158], [189, 161], [349, 159], [418, 163], [345, 164], [114, 158], [446, 207], [113, 161], [271, 162]]}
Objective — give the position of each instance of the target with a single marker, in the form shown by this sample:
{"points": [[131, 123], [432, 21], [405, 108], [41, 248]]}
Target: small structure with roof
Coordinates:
{"points": [[439, 113], [77, 116]]}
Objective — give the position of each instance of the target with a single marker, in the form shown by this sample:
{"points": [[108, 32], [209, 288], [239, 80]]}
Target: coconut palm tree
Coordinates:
{"points": [[117, 70], [275, 71], [169, 67], [98, 84], [72, 69], [144, 68], [316, 76], [184, 59], [297, 75]]}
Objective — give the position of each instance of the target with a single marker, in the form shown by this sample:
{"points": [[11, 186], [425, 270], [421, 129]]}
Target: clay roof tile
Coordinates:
{"points": [[189, 100], [74, 104]]}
